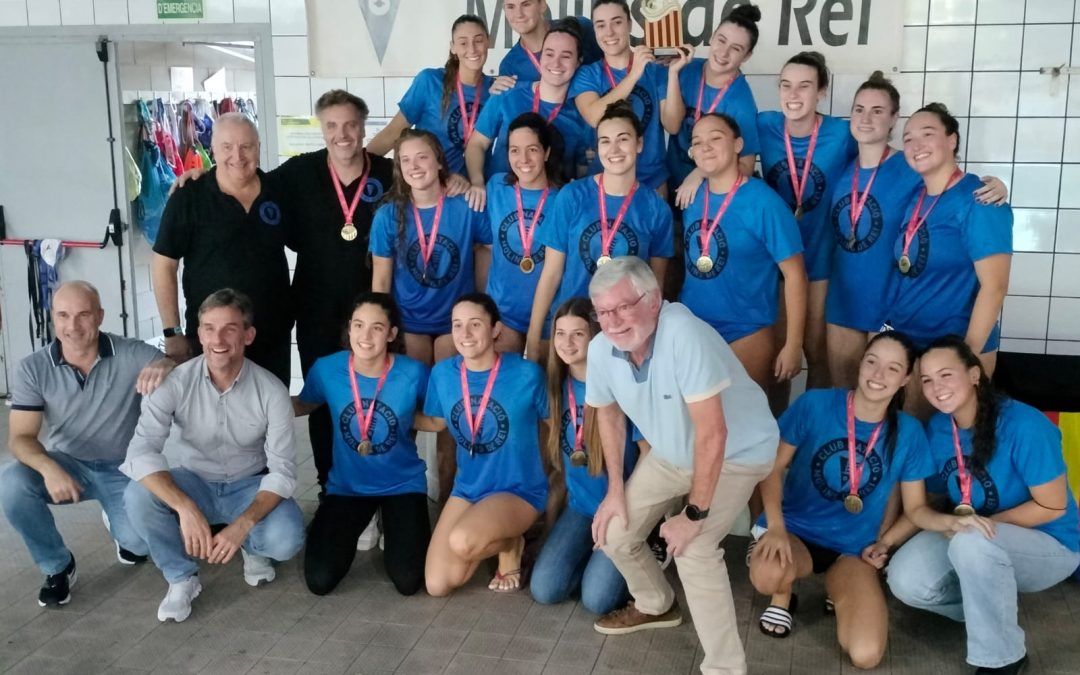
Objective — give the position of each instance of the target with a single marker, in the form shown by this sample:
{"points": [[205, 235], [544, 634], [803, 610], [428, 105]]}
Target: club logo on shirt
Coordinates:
{"points": [[270, 213], [779, 179], [494, 430], [919, 251], [384, 427], [829, 470], [442, 267], [718, 251], [840, 217], [373, 191], [589, 252], [567, 427], [984, 493], [510, 224], [453, 121]]}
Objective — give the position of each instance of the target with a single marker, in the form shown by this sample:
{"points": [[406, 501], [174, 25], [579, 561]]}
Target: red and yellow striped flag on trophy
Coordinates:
{"points": [[663, 26]]}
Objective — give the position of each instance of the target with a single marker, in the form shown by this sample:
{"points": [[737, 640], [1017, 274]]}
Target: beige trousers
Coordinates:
{"points": [[653, 488]]}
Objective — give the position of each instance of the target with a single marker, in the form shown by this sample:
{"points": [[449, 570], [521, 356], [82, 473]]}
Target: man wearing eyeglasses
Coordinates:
{"points": [[713, 439]]}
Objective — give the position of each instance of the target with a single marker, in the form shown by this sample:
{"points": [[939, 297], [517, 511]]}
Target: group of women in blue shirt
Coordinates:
{"points": [[813, 259]]}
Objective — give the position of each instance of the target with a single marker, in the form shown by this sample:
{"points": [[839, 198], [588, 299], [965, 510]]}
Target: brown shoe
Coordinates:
{"points": [[630, 620]]}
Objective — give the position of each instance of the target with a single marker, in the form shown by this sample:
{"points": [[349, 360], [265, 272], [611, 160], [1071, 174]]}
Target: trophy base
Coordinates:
{"points": [[665, 51]]}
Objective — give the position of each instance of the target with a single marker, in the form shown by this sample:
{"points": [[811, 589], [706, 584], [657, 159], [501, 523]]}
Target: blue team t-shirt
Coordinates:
{"points": [[422, 107], [1028, 454], [393, 467], [517, 62], [645, 98], [647, 231], [495, 118], [817, 480], [834, 151], [426, 295], [737, 102], [861, 268], [510, 288], [739, 294], [937, 295], [507, 450]]}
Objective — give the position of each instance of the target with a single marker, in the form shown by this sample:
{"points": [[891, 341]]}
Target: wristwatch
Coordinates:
{"points": [[695, 514], [175, 331]]}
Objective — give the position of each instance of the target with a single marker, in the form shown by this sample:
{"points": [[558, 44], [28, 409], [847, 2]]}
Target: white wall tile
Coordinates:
{"points": [[292, 95], [140, 11], [998, 47], [1048, 11], [1074, 91], [1063, 347], [916, 12], [843, 88], [1023, 346], [950, 47], [321, 85], [1039, 139], [217, 11], [13, 13], [1072, 138], [1033, 230], [1046, 45], [910, 86], [994, 94], [913, 51], [159, 78], [990, 139], [288, 17], [1025, 317], [110, 12], [135, 77], [1066, 276], [251, 11], [1002, 171], [952, 89], [291, 56], [1036, 185], [1030, 274], [1068, 231], [77, 12], [371, 90], [1041, 95], [1070, 176], [44, 12], [395, 88], [952, 11], [1064, 319], [1001, 11]]}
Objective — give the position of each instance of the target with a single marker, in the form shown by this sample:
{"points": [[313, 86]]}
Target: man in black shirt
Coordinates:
{"points": [[229, 231]]}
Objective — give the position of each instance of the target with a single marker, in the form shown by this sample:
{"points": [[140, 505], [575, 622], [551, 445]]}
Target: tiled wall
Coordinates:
{"points": [[980, 57]]}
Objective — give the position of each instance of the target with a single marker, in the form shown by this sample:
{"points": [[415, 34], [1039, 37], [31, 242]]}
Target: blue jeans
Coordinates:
{"points": [[26, 505], [567, 563], [278, 536], [974, 579]]}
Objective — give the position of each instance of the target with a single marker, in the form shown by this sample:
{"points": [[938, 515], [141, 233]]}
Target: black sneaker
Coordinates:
{"points": [[658, 546], [126, 557], [57, 587], [1014, 668]]}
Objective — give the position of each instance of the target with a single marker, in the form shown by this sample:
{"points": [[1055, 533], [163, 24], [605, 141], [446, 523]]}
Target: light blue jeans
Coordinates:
{"points": [[567, 563], [974, 579], [278, 536], [26, 505]]}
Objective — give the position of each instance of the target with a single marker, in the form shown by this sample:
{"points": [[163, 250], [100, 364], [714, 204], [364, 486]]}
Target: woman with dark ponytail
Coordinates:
{"points": [[844, 451], [446, 101], [1013, 525]]}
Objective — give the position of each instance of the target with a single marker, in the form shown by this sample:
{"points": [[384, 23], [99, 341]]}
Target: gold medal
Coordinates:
{"points": [[853, 503], [904, 263], [364, 448], [798, 212], [964, 510], [579, 458], [603, 260], [704, 264], [348, 232], [527, 265]]}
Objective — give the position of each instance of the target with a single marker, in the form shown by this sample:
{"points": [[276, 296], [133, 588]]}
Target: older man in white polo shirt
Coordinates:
{"points": [[713, 439]]}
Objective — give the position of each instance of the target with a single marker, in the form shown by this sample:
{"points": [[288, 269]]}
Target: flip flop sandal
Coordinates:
{"points": [[496, 581], [750, 550], [830, 608], [780, 618]]}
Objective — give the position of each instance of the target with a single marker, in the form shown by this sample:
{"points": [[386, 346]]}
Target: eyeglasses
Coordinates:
{"points": [[620, 311]]}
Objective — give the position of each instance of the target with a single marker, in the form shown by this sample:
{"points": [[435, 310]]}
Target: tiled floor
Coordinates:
{"points": [[110, 626]]}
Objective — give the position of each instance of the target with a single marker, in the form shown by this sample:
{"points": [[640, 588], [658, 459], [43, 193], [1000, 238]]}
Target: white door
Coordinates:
{"points": [[56, 174]]}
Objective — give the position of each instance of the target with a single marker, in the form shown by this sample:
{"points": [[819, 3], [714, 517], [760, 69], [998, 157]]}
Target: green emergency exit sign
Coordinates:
{"points": [[193, 9]]}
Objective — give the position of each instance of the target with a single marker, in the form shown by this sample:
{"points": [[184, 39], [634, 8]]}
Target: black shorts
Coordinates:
{"points": [[821, 557]]}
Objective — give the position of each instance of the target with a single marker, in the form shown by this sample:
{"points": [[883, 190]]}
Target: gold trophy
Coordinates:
{"points": [[663, 26]]}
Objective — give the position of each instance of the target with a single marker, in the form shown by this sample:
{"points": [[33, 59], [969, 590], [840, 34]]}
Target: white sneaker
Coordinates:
{"points": [[258, 570], [369, 539], [177, 602]]}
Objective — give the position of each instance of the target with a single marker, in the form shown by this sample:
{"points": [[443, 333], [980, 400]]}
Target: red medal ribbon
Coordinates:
{"points": [[916, 222], [349, 209], [363, 420], [579, 429], [607, 235], [716, 99], [963, 476], [474, 424], [468, 121], [708, 227], [532, 57], [427, 246], [859, 201], [528, 233], [536, 105], [798, 185], [855, 470], [610, 75]]}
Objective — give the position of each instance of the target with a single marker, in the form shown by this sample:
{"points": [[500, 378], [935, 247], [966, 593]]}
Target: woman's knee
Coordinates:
{"points": [[769, 577], [464, 543], [970, 550], [866, 653], [320, 580], [407, 580]]}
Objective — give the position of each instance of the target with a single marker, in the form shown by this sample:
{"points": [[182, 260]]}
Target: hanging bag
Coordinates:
{"points": [[157, 179]]}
